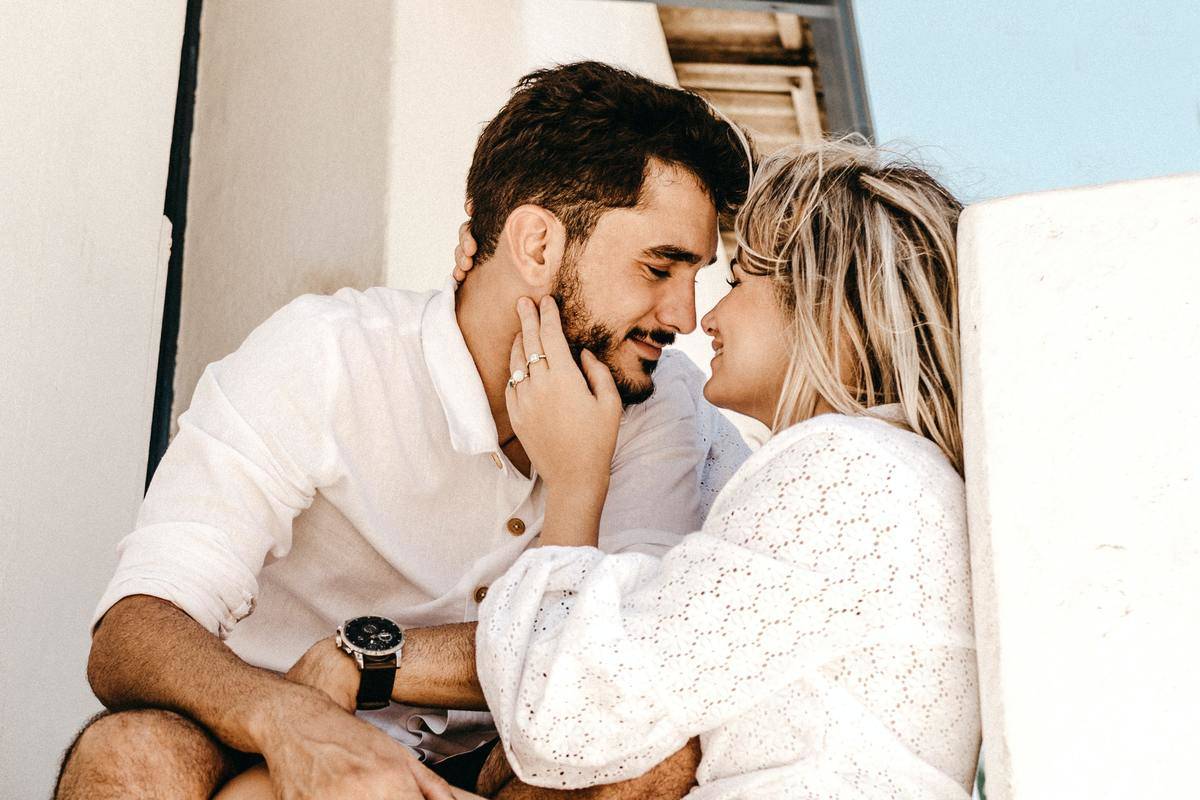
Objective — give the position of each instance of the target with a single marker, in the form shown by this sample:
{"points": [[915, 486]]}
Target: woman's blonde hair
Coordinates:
{"points": [[861, 250]]}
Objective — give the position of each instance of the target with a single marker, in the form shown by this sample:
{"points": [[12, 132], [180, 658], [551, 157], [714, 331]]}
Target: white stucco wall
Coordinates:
{"points": [[454, 68], [1080, 332], [288, 185], [87, 97]]}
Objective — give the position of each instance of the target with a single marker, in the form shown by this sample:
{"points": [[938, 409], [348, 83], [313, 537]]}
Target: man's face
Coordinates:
{"points": [[631, 287]]}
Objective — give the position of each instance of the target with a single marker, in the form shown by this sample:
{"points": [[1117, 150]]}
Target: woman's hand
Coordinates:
{"points": [[323, 666], [567, 424], [464, 254]]}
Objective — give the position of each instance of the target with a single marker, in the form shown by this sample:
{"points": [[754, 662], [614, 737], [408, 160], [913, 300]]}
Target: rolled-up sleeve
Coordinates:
{"points": [[597, 667], [253, 447]]}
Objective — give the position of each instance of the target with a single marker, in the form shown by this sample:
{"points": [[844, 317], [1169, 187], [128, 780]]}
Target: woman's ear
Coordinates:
{"points": [[536, 240]]}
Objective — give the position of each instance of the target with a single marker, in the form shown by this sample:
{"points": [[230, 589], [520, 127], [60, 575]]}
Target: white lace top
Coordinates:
{"points": [[816, 634]]}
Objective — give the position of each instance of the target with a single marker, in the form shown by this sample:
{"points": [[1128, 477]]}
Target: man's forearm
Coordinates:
{"points": [[437, 668], [146, 652]]}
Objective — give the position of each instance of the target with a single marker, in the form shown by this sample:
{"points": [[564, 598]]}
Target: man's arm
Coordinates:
{"points": [[432, 673], [437, 669], [135, 662], [147, 652], [259, 440]]}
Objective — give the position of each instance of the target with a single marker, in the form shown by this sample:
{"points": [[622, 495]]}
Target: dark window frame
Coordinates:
{"points": [[175, 209]]}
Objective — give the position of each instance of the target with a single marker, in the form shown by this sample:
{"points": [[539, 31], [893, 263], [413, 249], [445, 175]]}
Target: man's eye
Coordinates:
{"points": [[661, 274]]}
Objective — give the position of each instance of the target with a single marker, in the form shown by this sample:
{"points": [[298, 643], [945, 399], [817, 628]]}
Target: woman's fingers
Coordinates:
{"points": [[531, 335], [600, 379], [516, 357], [466, 241], [464, 252], [461, 264], [551, 332], [516, 361]]}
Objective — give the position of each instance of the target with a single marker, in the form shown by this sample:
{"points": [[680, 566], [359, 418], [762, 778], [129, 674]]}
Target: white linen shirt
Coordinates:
{"points": [[344, 461], [816, 635]]}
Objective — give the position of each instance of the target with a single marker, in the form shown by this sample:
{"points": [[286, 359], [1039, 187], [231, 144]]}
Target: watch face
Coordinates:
{"points": [[372, 635]]}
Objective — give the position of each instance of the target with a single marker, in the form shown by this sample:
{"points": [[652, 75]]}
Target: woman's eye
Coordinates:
{"points": [[733, 282]]}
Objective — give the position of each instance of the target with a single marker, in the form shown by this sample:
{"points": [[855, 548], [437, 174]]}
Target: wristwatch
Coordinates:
{"points": [[375, 644]]}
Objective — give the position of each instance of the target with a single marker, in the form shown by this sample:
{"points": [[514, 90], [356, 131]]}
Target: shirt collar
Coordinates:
{"points": [[455, 376]]}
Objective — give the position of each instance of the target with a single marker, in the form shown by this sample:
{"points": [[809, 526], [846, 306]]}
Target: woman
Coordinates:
{"points": [[817, 633]]}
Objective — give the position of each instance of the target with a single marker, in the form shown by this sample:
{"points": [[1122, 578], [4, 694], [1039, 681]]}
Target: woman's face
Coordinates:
{"points": [[751, 347]]}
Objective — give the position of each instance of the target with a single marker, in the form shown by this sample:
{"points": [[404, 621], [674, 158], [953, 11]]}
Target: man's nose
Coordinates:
{"points": [[678, 309]]}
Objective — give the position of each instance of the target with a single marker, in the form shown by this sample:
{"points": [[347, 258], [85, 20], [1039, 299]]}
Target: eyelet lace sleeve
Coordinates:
{"points": [[838, 538]]}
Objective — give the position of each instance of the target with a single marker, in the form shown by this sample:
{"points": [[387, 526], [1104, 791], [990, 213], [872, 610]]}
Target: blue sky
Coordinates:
{"points": [[1025, 95]]}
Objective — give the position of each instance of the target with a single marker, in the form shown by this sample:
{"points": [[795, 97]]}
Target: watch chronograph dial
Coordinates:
{"points": [[372, 635]]}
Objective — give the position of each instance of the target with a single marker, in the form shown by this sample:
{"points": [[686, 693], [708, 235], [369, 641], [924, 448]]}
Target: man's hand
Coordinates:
{"points": [[670, 780], [323, 666], [315, 749]]}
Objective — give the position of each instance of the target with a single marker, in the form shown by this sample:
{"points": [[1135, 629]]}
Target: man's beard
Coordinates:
{"points": [[583, 332]]}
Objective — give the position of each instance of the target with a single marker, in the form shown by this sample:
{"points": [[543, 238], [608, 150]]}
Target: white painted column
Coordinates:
{"points": [[87, 98], [1081, 335]]}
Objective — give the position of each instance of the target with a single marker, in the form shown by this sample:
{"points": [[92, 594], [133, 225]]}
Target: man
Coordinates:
{"points": [[355, 457]]}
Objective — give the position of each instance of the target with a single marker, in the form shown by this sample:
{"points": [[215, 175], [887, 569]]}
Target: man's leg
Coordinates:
{"points": [[670, 780], [147, 753]]}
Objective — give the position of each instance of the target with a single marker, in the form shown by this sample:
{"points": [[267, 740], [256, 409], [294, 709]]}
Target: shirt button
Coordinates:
{"points": [[515, 526], [496, 460], [480, 593]]}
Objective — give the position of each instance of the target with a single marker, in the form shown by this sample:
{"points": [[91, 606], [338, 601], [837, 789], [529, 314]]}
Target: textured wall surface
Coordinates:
{"points": [[87, 98], [289, 167], [1081, 331], [453, 70]]}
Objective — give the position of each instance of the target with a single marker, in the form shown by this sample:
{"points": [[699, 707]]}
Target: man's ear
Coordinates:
{"points": [[536, 240]]}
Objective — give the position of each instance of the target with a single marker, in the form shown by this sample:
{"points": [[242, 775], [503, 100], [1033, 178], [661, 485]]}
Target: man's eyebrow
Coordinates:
{"points": [[670, 252]]}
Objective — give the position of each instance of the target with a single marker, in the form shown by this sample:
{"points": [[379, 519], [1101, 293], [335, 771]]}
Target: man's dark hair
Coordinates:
{"points": [[576, 140]]}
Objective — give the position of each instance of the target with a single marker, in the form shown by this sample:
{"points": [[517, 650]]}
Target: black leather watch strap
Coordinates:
{"points": [[375, 682]]}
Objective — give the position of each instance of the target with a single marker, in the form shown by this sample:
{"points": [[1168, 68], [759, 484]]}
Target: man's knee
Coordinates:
{"points": [[142, 753]]}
